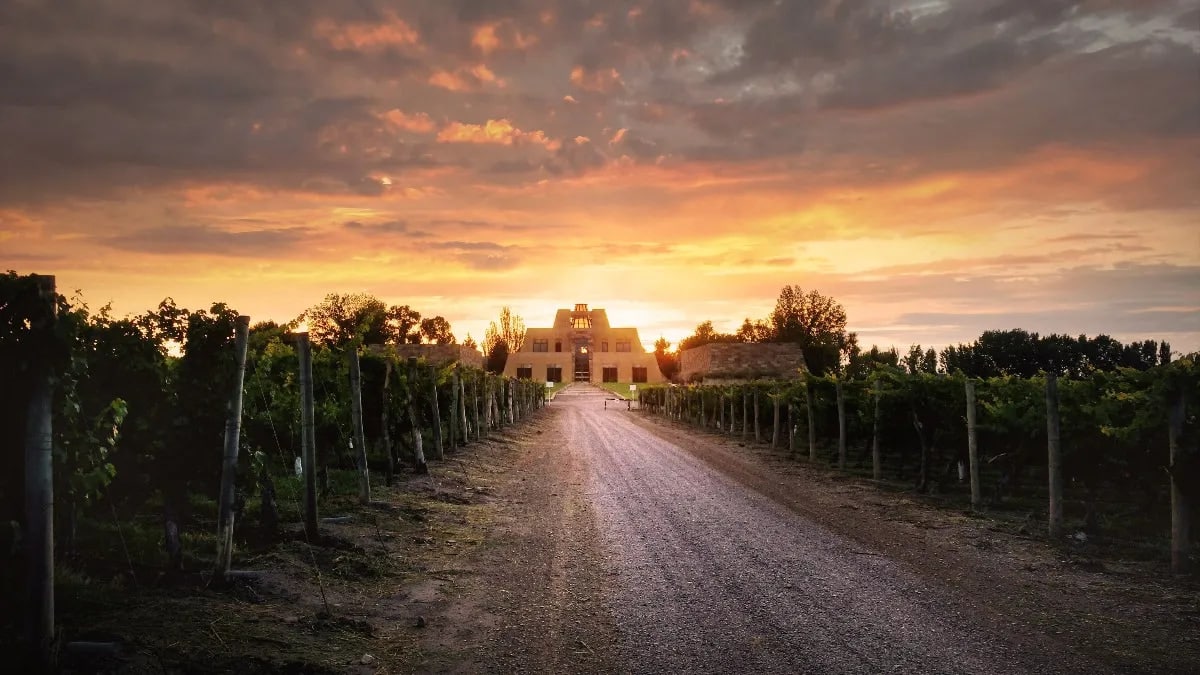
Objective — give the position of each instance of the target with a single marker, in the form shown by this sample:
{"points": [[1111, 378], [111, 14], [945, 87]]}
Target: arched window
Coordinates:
{"points": [[558, 345]]}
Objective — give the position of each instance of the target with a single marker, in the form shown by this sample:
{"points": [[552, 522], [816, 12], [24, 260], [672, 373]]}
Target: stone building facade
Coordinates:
{"points": [[718, 362], [581, 346]]}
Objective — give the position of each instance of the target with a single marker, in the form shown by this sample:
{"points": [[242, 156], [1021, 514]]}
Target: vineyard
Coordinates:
{"points": [[1110, 456], [162, 452], [156, 446]]}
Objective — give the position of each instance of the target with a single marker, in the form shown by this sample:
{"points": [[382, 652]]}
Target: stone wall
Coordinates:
{"points": [[740, 361], [440, 353]]}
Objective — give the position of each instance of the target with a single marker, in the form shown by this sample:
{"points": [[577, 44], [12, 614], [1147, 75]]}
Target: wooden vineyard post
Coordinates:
{"points": [[721, 412], [418, 440], [478, 428], [462, 402], [732, 414], [745, 412], [791, 428], [876, 455], [488, 418], [439, 450], [841, 410], [39, 492], [455, 437], [1180, 514], [508, 387], [812, 422], [233, 433], [1054, 456], [775, 403], [356, 422], [385, 421], [757, 423], [308, 442], [972, 446]]}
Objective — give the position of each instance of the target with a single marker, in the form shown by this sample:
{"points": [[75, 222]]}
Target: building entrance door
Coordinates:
{"points": [[583, 362]]}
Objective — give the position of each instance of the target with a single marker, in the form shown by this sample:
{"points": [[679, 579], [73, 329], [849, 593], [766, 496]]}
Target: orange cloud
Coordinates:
{"points": [[419, 123], [465, 79], [498, 132], [491, 37], [393, 32], [601, 80]]}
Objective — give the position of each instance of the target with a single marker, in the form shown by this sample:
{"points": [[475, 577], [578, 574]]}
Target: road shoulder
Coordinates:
{"points": [[532, 597]]}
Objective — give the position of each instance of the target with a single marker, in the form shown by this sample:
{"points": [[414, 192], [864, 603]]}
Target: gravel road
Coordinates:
{"points": [[707, 575]]}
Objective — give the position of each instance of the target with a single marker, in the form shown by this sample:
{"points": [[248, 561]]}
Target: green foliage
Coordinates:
{"points": [[668, 363], [1024, 354], [1114, 429]]}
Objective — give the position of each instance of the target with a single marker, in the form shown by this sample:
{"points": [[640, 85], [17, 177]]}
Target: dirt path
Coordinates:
{"points": [[623, 544]]}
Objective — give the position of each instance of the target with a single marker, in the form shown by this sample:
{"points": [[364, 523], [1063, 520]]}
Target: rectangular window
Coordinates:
{"points": [[541, 345], [610, 373], [604, 346], [554, 373], [639, 374], [525, 372], [623, 346], [558, 345]]}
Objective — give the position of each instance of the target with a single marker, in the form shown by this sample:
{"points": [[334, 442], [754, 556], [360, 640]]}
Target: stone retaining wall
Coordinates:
{"points": [[722, 361]]}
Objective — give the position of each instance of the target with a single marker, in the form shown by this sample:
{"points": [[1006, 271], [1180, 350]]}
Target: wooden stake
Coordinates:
{"points": [[385, 421], [1054, 457], [841, 409], [745, 412], [308, 442], [39, 494], [233, 432], [791, 428], [1180, 506], [812, 424], [876, 455], [455, 437], [438, 449], [775, 402], [356, 421], [418, 440], [972, 446], [757, 424], [462, 402]]}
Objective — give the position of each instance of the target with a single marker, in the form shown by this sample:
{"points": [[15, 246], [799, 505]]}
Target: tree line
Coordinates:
{"points": [[818, 324]]}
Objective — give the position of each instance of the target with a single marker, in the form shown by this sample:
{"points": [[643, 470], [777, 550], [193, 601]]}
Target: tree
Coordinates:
{"points": [[755, 331], [919, 360], [815, 322], [470, 342], [497, 357], [705, 334], [340, 320], [861, 363], [437, 330], [510, 330], [401, 322], [668, 363]]}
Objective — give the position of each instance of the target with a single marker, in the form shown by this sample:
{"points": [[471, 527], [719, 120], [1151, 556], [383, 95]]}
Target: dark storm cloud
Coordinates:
{"points": [[208, 240], [103, 96]]}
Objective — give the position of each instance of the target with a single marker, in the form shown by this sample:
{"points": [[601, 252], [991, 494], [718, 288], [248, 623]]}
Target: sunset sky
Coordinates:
{"points": [[939, 167]]}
